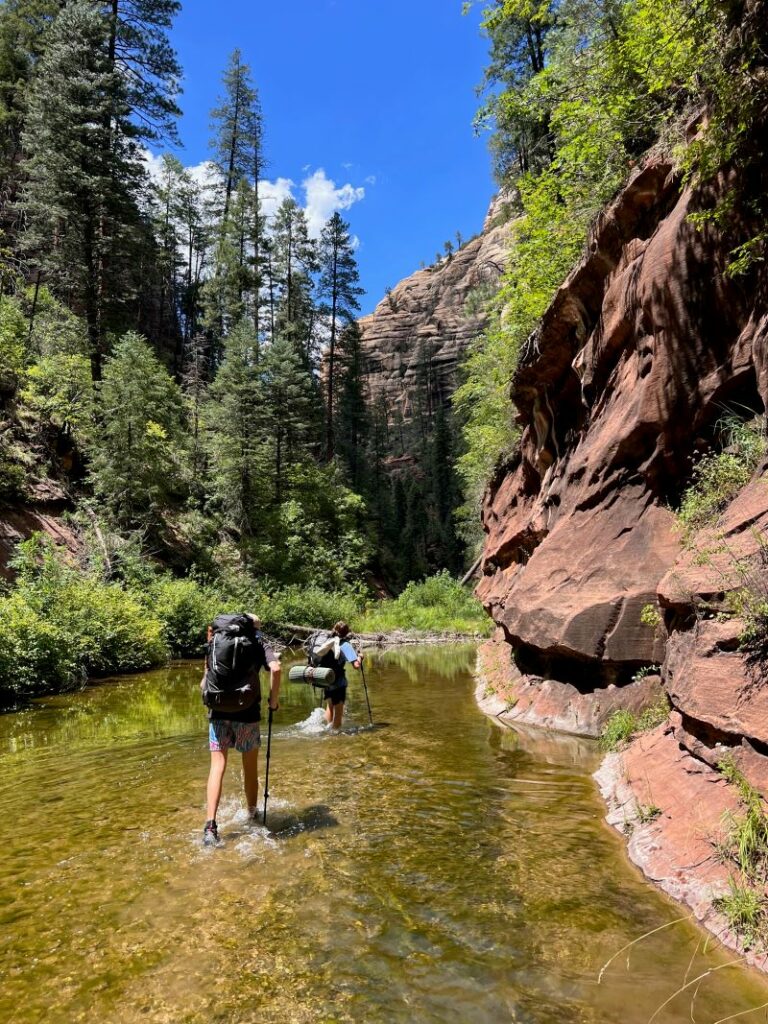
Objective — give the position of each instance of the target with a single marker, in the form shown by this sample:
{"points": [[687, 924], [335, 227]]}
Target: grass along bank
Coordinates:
{"points": [[62, 623]]}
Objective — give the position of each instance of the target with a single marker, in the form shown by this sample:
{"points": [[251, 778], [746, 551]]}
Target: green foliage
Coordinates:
{"points": [[719, 476], [653, 715], [185, 608], [619, 729], [624, 724], [137, 451], [59, 393], [651, 616], [60, 624], [13, 334], [746, 910], [745, 846], [647, 813], [437, 604]]}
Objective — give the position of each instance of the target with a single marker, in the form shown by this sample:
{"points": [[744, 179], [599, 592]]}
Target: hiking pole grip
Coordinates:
{"points": [[365, 687], [266, 774]]}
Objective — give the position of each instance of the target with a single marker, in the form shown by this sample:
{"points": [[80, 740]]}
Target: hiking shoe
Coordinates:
{"points": [[210, 834]]}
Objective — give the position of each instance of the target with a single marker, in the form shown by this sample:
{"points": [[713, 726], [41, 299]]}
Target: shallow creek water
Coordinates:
{"points": [[437, 869]]}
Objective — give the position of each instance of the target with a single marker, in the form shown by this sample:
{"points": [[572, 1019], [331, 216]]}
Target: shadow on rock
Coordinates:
{"points": [[282, 825]]}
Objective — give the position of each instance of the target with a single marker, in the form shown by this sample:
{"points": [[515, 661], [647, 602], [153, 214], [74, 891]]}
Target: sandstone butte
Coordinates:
{"points": [[644, 348]]}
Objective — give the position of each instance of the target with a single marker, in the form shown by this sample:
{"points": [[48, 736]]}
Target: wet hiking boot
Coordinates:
{"points": [[210, 834]]}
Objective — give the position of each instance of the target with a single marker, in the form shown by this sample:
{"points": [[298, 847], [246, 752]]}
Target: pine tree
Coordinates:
{"points": [[235, 419], [236, 127], [339, 286], [290, 407], [168, 212], [294, 260], [24, 25], [84, 171], [137, 453], [353, 421], [139, 50]]}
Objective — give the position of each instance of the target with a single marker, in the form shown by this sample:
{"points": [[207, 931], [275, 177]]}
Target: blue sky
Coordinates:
{"points": [[378, 94]]}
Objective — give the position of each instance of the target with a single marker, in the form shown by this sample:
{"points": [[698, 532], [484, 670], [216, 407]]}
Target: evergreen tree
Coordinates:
{"points": [[235, 423], [353, 420], [84, 171], [290, 409], [236, 127], [168, 211], [339, 286], [294, 260], [138, 451], [139, 50], [24, 26]]}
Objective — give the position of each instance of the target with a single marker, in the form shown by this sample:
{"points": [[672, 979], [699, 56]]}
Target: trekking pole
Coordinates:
{"points": [[266, 776], [365, 687]]}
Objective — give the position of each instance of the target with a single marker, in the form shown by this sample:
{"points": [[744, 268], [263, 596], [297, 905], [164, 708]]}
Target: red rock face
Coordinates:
{"points": [[425, 317], [643, 348]]}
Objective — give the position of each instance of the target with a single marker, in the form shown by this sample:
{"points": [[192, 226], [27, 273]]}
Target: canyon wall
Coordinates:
{"points": [[428, 318], [600, 601]]}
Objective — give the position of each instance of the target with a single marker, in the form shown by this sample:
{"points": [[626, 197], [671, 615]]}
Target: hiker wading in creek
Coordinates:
{"points": [[341, 653], [231, 691]]}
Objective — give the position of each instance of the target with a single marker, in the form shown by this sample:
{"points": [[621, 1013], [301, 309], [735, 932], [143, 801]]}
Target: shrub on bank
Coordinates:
{"points": [[437, 604]]}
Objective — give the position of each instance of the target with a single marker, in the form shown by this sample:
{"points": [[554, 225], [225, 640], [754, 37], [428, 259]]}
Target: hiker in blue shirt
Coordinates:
{"points": [[344, 653]]}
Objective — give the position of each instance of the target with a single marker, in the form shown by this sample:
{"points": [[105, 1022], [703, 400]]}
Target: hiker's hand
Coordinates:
{"points": [[357, 664], [274, 705]]}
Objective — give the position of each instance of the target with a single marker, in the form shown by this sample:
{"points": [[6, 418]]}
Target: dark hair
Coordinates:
{"points": [[341, 629]]}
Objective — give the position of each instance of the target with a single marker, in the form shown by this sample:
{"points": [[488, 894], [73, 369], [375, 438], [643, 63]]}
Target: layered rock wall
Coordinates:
{"points": [[645, 349], [428, 319]]}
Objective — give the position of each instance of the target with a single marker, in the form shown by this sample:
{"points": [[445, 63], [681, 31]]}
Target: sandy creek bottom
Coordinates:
{"points": [[439, 868]]}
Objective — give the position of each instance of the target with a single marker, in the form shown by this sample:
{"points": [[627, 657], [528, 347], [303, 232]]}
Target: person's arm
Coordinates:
{"points": [[351, 654], [272, 662], [275, 673]]}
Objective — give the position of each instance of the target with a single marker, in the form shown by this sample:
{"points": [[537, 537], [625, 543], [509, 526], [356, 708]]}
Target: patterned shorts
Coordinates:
{"points": [[243, 736]]}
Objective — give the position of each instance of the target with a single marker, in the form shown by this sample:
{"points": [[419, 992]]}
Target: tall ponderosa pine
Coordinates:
{"points": [[339, 286], [352, 422], [84, 171], [237, 147], [139, 48], [236, 127]]}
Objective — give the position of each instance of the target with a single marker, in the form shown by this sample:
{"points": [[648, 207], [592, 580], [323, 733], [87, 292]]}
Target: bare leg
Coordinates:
{"points": [[215, 780], [338, 715], [329, 713], [251, 779]]}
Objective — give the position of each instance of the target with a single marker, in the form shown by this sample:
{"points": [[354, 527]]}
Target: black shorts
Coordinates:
{"points": [[336, 694]]}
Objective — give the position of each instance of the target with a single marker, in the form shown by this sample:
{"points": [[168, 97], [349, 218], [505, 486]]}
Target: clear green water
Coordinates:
{"points": [[440, 869]]}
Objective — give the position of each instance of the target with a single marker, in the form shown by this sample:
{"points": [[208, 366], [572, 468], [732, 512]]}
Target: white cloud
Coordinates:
{"points": [[323, 199], [371, 179], [272, 194]]}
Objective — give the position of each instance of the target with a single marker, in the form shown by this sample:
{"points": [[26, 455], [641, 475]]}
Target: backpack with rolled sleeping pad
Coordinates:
{"points": [[324, 651], [235, 653]]}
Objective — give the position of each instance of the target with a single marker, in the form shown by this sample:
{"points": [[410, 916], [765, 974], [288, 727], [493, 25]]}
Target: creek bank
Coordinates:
{"points": [[290, 634]]}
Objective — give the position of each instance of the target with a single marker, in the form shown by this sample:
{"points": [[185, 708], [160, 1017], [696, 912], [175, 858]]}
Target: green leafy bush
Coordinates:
{"points": [[36, 653], [439, 603], [719, 476], [185, 608]]}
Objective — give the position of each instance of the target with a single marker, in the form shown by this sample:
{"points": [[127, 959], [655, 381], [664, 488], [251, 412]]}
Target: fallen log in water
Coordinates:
{"points": [[396, 638]]}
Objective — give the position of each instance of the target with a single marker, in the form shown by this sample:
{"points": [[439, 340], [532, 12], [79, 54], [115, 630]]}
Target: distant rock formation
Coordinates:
{"points": [[425, 318]]}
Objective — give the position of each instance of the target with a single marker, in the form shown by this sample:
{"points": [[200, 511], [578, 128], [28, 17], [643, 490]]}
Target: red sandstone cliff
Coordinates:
{"points": [[425, 317], [645, 347]]}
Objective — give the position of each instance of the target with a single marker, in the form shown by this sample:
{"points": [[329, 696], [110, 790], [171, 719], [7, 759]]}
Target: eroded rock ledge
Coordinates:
{"points": [[646, 346]]}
